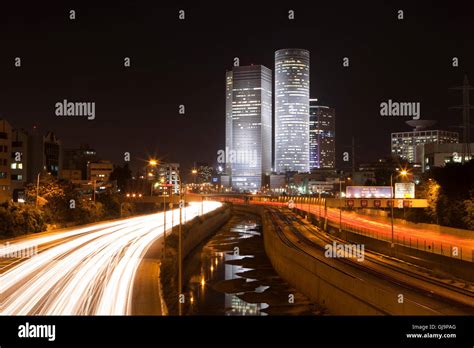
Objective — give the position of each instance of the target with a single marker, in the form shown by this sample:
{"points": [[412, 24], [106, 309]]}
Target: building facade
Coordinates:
{"points": [[228, 118], [292, 110], [438, 155], [5, 160], [19, 163], [322, 136], [78, 159], [100, 171], [250, 153], [404, 144]]}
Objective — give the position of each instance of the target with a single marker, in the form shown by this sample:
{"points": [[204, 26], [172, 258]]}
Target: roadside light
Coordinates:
{"points": [[153, 162], [403, 172], [128, 194], [140, 195], [134, 195], [194, 171]]}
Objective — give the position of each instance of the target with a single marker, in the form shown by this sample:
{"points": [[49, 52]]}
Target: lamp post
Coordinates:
{"points": [[37, 188], [180, 261], [194, 172], [164, 216], [340, 204], [319, 201], [402, 173], [152, 163], [181, 204]]}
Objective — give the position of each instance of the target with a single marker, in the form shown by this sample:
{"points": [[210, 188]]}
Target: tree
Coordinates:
{"points": [[121, 174], [17, 219], [468, 218]]}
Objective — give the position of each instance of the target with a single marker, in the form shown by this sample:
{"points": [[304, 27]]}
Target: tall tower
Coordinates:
{"points": [[292, 110], [322, 136], [228, 118], [250, 134]]}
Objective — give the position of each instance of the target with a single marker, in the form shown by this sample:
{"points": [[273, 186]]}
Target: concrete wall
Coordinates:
{"points": [[200, 232], [197, 233]]}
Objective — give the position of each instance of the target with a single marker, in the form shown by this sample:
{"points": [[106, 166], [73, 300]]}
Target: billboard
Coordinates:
{"points": [[368, 192], [404, 190]]}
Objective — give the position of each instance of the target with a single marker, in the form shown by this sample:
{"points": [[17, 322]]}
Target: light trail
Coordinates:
{"points": [[381, 229], [90, 273]]}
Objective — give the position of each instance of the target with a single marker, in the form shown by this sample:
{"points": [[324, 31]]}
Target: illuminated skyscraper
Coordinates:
{"points": [[228, 117], [291, 110], [249, 156], [322, 136]]}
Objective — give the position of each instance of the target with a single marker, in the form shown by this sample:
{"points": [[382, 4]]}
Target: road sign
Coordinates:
{"points": [[404, 190], [171, 205], [376, 203], [291, 204], [181, 203], [368, 191]]}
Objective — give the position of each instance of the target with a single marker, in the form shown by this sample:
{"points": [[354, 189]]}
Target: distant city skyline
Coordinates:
{"points": [[137, 107]]}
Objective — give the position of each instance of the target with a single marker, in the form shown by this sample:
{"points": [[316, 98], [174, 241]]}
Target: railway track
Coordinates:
{"points": [[435, 289]]}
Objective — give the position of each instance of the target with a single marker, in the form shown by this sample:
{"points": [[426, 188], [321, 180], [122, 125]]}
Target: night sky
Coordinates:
{"points": [[184, 62]]}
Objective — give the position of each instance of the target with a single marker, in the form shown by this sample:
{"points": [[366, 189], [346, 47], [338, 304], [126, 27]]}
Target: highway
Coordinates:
{"points": [[85, 270]]}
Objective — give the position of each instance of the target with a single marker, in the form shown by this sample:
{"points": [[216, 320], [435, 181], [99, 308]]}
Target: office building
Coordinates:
{"points": [[322, 136], [100, 171], [52, 154], [168, 173], [404, 143], [292, 110], [19, 164], [78, 159], [250, 152], [5, 160], [228, 118], [439, 154]]}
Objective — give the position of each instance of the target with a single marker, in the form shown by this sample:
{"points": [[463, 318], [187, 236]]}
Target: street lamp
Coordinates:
{"points": [[340, 204], [194, 172], [152, 163], [403, 173], [180, 262], [37, 188], [180, 244]]}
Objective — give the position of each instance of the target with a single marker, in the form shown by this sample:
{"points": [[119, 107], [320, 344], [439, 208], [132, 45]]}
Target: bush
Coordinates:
{"points": [[18, 219]]}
